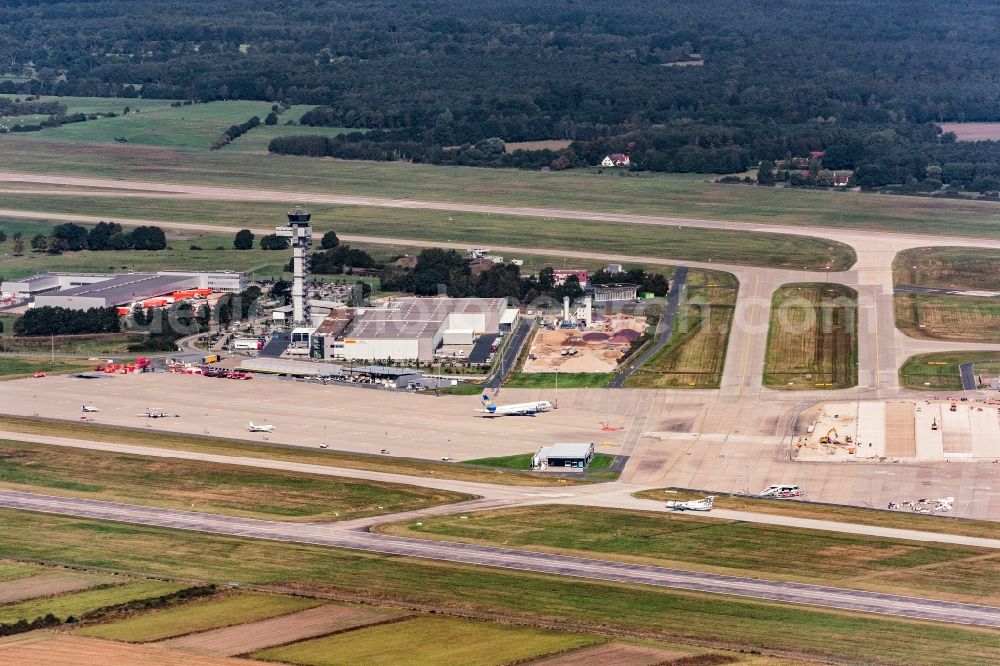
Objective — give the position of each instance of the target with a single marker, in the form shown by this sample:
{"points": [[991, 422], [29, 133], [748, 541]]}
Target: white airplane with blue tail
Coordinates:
{"points": [[520, 409]]}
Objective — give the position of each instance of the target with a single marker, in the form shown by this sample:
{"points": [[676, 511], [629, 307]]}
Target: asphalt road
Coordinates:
{"points": [[508, 558], [968, 372], [664, 329], [510, 353]]}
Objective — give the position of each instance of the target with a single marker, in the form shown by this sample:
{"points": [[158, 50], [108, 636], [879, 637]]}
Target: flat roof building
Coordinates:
{"points": [[576, 456], [82, 291], [608, 293], [407, 329]]}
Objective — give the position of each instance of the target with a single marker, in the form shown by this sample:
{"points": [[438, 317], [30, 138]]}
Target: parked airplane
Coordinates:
{"points": [[90, 408], [156, 413], [692, 505], [253, 427], [520, 409], [782, 491]]}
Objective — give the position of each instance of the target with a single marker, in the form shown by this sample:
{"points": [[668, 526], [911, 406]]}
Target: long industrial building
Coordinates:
{"points": [[82, 291], [407, 329]]}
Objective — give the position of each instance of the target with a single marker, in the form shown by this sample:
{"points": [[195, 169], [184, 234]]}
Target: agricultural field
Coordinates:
{"points": [[48, 582], [201, 615], [695, 355], [476, 229], [321, 620], [79, 603], [200, 486], [812, 340], [426, 641], [960, 268], [940, 371], [709, 544], [15, 570], [681, 194], [15, 367], [709, 619], [139, 436], [973, 131], [944, 317], [59, 649], [152, 122]]}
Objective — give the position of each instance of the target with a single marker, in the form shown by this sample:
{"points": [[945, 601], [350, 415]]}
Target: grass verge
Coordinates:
{"points": [[14, 367], [722, 546], [425, 641], [203, 486], [235, 447], [555, 380], [945, 317], [660, 241], [964, 268], [812, 338], [471, 591], [200, 615], [84, 602], [696, 353], [842, 514], [940, 371], [15, 570]]}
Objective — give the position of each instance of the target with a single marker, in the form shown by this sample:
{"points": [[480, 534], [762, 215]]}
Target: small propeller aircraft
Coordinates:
{"points": [[156, 413], [254, 427], [692, 505], [89, 408]]}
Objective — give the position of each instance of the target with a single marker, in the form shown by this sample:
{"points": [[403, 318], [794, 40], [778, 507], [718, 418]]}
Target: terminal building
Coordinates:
{"points": [[407, 329], [83, 291]]}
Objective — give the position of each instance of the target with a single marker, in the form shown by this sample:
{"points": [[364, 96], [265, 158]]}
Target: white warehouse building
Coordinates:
{"points": [[408, 329]]}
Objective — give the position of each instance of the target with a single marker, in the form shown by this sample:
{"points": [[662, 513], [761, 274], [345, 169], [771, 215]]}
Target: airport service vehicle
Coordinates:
{"points": [[781, 491], [254, 427], [519, 409], [89, 408], [692, 505]]}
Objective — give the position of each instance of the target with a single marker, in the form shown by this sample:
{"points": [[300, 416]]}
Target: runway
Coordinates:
{"points": [[507, 558]]}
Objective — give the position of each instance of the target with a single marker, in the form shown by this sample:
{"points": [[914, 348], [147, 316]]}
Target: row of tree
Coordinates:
{"points": [[70, 237], [63, 321]]}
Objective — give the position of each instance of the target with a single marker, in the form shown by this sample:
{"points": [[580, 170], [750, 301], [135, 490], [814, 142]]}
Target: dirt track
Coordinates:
{"points": [[612, 653], [246, 638], [45, 585], [40, 647]]}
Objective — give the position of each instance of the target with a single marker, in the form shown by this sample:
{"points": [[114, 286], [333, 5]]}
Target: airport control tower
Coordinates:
{"points": [[299, 232]]}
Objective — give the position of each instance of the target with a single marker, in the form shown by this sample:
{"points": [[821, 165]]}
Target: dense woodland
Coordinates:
{"points": [[443, 82]]}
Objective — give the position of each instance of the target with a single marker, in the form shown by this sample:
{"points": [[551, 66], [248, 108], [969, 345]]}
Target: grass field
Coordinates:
{"points": [[843, 514], [558, 380], [158, 124], [948, 268], [665, 242], [234, 447], [199, 486], [945, 317], [696, 353], [14, 367], [674, 194], [201, 615], [84, 602], [940, 371], [717, 545], [428, 641], [256, 140], [15, 570], [84, 345], [651, 613], [812, 339]]}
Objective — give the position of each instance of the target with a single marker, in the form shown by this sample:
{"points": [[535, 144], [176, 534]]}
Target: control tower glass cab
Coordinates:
{"points": [[299, 233]]}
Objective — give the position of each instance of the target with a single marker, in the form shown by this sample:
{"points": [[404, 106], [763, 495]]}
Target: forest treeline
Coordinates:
{"points": [[690, 85]]}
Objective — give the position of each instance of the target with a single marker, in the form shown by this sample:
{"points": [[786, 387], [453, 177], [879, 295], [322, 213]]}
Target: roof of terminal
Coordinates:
{"points": [[124, 288]]}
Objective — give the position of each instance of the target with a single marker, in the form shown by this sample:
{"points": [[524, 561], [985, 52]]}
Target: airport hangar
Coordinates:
{"points": [[408, 329], [83, 291]]}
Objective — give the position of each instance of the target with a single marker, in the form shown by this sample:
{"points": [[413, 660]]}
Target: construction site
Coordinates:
{"points": [[900, 430], [583, 340]]}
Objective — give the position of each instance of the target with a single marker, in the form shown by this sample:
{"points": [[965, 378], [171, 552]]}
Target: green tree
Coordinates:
{"points": [[73, 235], [765, 174], [243, 240], [3, 237], [273, 242], [18, 244], [329, 241]]}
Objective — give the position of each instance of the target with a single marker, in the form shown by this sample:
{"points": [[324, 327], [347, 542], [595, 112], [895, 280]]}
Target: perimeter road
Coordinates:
{"points": [[509, 558]]}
